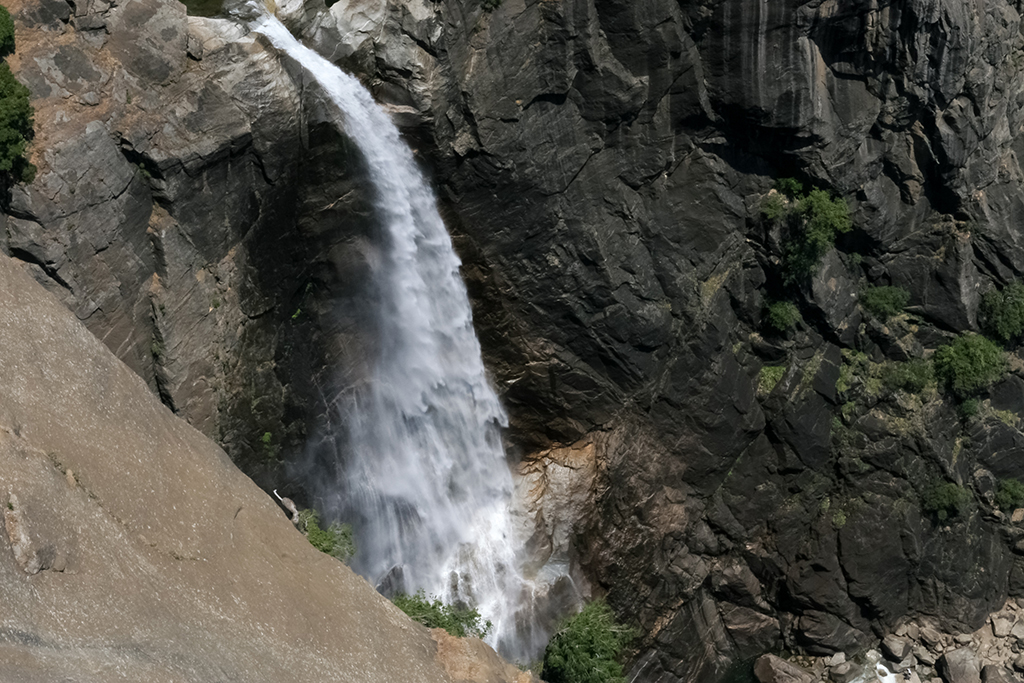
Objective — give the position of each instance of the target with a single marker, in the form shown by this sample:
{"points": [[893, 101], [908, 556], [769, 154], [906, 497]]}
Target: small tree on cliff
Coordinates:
{"points": [[587, 647], [810, 224], [15, 111], [969, 364], [15, 126], [6, 32]]}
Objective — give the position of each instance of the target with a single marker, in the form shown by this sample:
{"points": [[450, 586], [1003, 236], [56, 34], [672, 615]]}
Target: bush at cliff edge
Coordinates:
{"points": [[15, 111], [587, 647]]}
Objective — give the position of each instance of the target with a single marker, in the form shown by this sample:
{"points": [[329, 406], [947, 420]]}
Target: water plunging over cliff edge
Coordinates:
{"points": [[426, 483]]}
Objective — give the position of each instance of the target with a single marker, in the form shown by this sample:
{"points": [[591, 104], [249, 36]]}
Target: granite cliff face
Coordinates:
{"points": [[190, 211], [602, 165]]}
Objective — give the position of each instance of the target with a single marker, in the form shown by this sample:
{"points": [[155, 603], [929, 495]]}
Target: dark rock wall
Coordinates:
{"points": [[603, 164]]}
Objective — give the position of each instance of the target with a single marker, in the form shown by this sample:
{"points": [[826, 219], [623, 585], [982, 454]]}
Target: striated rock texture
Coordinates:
{"points": [[135, 550], [603, 165]]}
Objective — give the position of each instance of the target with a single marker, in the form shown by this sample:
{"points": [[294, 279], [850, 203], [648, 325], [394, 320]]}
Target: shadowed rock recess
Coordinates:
{"points": [[602, 165]]}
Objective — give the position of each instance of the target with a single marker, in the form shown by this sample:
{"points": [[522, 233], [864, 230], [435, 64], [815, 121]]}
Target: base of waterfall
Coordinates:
{"points": [[916, 652]]}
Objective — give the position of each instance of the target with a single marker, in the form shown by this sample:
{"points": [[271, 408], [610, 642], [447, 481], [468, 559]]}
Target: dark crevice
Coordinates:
{"points": [[51, 272], [557, 99]]}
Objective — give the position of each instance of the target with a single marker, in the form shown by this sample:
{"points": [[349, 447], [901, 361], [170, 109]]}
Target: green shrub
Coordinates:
{"points": [[336, 540], [945, 500], [969, 364], [1010, 494], [821, 220], [769, 376], [912, 376], [970, 408], [791, 187], [586, 648], [432, 613], [6, 32], [15, 126], [774, 206], [1002, 311], [839, 519], [884, 302], [783, 315]]}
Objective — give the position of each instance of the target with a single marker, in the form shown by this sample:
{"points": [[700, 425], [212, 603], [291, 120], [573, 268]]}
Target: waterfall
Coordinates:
{"points": [[425, 480]]}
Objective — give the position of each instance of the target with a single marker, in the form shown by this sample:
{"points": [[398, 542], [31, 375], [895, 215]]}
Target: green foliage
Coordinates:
{"points": [[6, 32], [774, 207], [970, 408], [15, 126], [268, 446], [783, 315], [969, 364], [791, 187], [912, 376], [822, 219], [838, 519], [811, 223], [489, 5], [1002, 311], [336, 540], [769, 376], [586, 648], [826, 219], [432, 613], [1010, 494], [884, 302], [945, 500]]}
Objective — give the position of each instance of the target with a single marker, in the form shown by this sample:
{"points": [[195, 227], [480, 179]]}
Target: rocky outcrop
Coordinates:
{"points": [[134, 549], [184, 212]]}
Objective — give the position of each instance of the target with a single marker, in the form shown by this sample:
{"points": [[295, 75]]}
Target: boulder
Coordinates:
{"points": [[772, 669], [998, 674], [895, 648], [1001, 626], [959, 666]]}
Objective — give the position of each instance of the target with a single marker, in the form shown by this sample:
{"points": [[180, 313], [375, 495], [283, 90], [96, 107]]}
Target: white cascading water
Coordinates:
{"points": [[427, 476]]}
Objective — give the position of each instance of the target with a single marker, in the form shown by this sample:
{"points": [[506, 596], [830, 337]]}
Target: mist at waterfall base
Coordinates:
{"points": [[420, 472]]}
